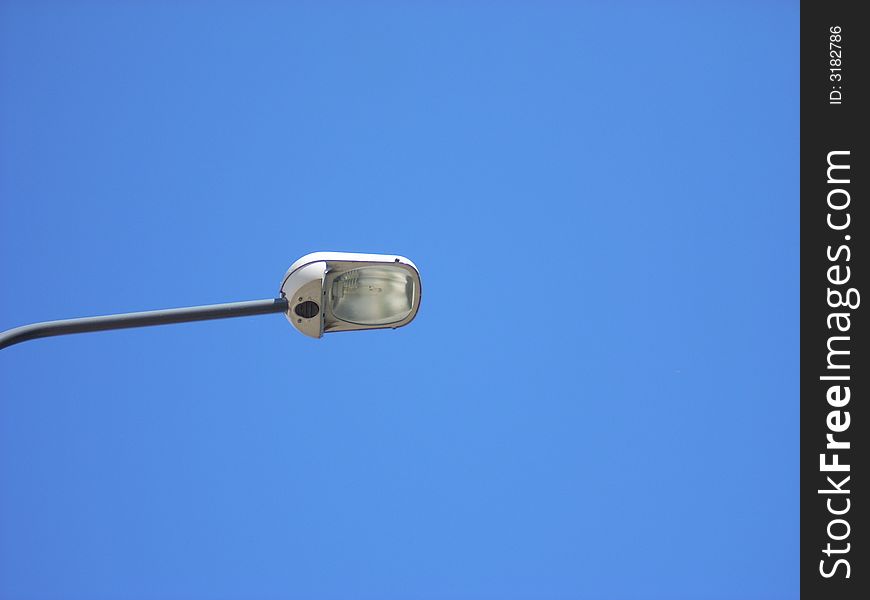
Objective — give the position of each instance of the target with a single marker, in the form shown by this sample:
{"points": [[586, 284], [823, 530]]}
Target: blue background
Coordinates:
{"points": [[599, 397]]}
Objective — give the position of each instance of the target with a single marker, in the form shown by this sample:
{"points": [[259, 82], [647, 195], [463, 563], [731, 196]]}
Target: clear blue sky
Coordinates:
{"points": [[599, 397]]}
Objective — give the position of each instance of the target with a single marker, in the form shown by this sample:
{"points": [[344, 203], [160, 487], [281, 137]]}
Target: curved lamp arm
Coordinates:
{"points": [[142, 319]]}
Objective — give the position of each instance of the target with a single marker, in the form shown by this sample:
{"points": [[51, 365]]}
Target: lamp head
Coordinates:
{"points": [[346, 291]]}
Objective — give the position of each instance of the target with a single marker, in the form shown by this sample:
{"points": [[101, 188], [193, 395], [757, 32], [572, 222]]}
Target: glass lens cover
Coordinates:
{"points": [[372, 295]]}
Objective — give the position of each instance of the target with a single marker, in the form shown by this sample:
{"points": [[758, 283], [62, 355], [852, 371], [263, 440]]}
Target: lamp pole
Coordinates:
{"points": [[142, 319]]}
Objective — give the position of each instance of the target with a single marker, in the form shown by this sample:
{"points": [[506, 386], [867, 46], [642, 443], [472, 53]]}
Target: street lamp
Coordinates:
{"points": [[320, 293]]}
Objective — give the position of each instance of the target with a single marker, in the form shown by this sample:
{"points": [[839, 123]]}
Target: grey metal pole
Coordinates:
{"points": [[142, 319]]}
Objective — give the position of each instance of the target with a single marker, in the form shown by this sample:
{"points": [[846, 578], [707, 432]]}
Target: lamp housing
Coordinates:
{"points": [[347, 291]]}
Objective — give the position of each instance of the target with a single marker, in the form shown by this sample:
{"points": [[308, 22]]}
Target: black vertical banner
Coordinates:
{"points": [[835, 370]]}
